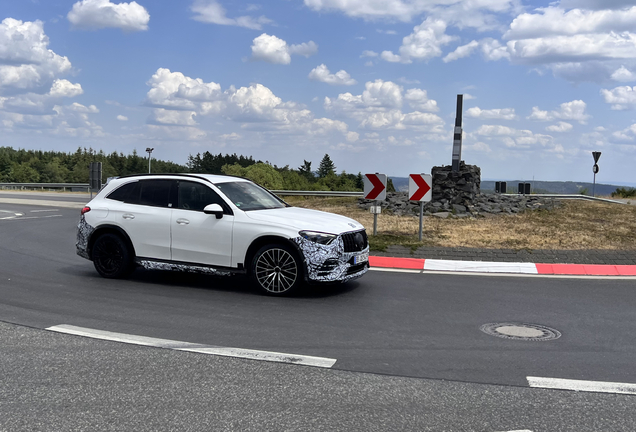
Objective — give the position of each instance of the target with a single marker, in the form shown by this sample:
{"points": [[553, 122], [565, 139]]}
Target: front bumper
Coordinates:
{"points": [[330, 263]]}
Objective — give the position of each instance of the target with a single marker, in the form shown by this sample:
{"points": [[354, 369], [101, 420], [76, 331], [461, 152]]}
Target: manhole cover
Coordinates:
{"points": [[521, 331]]}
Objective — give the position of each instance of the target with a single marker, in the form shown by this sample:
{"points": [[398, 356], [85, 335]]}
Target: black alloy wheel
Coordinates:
{"points": [[111, 256], [276, 269]]}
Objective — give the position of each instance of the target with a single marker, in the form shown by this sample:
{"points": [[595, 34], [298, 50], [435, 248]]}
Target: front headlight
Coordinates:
{"points": [[318, 237]]}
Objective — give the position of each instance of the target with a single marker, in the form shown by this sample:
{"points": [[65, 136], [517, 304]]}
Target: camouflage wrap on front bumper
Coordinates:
{"points": [[84, 232], [329, 263]]}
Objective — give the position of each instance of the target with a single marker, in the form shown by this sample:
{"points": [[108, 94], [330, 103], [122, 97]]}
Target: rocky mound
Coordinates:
{"points": [[482, 205]]}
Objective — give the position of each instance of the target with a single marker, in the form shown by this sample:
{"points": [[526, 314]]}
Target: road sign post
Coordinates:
{"points": [[596, 156], [95, 177], [375, 189], [420, 189]]}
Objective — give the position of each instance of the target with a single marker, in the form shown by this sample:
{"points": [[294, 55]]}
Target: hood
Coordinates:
{"points": [[306, 219]]}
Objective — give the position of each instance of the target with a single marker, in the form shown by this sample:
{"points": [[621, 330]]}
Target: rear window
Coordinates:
{"points": [[124, 192], [155, 193]]}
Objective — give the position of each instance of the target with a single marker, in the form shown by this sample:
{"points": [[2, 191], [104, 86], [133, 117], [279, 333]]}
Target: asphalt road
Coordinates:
{"points": [[387, 331]]}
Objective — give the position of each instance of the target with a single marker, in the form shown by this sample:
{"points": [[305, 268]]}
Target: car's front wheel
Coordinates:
{"points": [[276, 269], [111, 256]]}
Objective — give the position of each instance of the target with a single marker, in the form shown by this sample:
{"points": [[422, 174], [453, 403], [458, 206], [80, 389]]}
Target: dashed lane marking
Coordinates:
{"points": [[196, 348], [7, 214], [40, 211], [580, 385]]}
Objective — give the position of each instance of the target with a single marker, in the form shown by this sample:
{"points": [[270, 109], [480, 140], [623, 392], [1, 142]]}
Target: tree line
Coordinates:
{"points": [[35, 166]]}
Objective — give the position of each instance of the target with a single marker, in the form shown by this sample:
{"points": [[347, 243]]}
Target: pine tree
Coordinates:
{"points": [[305, 170], [326, 167]]}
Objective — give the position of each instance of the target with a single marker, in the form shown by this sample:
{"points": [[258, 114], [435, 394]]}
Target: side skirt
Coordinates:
{"points": [[152, 264]]}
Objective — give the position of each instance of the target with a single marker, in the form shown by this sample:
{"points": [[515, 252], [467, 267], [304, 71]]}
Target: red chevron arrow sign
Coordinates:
{"points": [[374, 186], [420, 187]]}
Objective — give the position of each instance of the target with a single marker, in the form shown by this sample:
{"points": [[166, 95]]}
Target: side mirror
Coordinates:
{"points": [[214, 209]]}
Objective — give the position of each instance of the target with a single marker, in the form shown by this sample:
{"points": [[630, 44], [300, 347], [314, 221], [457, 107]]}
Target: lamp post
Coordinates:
{"points": [[149, 150]]}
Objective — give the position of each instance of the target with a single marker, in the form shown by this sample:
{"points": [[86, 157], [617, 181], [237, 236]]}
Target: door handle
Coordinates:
{"points": [[128, 216], [182, 221]]}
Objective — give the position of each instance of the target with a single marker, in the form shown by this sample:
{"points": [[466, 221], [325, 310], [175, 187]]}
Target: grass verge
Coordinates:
{"points": [[576, 225]]}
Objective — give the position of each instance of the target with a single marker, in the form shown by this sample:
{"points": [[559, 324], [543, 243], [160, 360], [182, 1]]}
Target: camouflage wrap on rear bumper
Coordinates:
{"points": [[329, 263], [84, 232]]}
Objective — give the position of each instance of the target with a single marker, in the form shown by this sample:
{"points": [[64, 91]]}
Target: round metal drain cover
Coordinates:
{"points": [[521, 331]]}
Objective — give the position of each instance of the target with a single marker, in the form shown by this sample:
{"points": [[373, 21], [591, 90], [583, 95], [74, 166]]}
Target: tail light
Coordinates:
{"points": [[85, 210]]}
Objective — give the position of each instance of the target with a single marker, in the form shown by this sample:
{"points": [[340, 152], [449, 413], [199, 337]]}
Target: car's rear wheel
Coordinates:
{"points": [[276, 269], [111, 256]]}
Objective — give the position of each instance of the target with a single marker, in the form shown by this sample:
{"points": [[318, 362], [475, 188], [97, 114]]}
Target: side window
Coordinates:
{"points": [[125, 193], [195, 196], [155, 193]]}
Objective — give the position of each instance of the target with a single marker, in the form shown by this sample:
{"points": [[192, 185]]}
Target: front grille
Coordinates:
{"points": [[355, 241]]}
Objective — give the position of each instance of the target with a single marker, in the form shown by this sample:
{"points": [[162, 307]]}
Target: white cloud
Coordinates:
{"points": [[497, 114], [98, 14], [379, 107], [423, 44], [620, 97], [574, 110], [461, 52], [495, 130], [275, 50], [161, 116], [232, 136], [122, 118], [306, 49], [25, 60], [623, 74], [64, 88], [185, 102], [478, 14], [173, 90], [211, 11], [321, 73], [368, 53], [513, 138], [418, 99], [552, 21], [560, 127]]}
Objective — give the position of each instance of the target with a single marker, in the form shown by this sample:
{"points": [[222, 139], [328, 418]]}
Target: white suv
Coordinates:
{"points": [[218, 225]]}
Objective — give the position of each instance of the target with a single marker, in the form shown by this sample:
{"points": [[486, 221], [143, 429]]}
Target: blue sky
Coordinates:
{"points": [[371, 83]]}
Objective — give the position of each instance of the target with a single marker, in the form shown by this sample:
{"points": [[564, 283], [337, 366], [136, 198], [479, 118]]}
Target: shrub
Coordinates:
{"points": [[624, 193]]}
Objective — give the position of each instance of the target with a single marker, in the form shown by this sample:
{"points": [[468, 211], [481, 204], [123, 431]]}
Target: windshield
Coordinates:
{"points": [[248, 196]]}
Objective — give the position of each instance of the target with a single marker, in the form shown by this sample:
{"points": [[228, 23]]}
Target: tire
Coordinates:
{"points": [[112, 257], [276, 269]]}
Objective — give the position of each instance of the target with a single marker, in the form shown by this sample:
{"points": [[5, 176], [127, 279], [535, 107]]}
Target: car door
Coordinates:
{"points": [[144, 212], [198, 237]]}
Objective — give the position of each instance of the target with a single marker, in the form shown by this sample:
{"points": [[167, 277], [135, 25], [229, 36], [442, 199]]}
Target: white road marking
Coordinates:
{"points": [[40, 211], [42, 203], [480, 266], [193, 347], [580, 385], [394, 270], [36, 217]]}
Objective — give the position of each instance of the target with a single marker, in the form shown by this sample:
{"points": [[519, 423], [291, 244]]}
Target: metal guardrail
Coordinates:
{"points": [[318, 193], [44, 186], [85, 186], [573, 196]]}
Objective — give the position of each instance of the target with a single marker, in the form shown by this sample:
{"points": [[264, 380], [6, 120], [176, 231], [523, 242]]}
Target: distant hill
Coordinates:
{"points": [[556, 187]]}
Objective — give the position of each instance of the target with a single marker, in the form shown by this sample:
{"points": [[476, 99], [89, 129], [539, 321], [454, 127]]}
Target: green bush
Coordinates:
{"points": [[624, 193]]}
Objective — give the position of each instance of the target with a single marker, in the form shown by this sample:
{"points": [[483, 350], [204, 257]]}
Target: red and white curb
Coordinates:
{"points": [[502, 267]]}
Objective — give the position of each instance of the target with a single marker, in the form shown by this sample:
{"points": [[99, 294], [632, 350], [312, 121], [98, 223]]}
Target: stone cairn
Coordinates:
{"points": [[458, 195]]}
